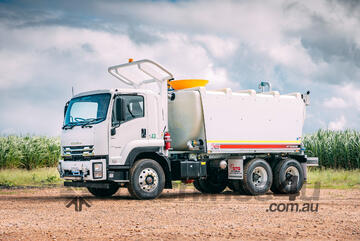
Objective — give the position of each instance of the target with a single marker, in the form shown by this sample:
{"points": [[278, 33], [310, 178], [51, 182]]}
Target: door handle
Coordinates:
{"points": [[143, 133]]}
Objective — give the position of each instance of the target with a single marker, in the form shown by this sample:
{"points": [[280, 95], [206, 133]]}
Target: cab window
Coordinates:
{"points": [[126, 108]]}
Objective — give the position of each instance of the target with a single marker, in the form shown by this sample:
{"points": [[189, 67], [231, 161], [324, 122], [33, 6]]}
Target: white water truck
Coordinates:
{"points": [[162, 130]]}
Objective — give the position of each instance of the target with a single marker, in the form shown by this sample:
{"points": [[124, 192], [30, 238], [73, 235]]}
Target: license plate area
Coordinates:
{"points": [[75, 171]]}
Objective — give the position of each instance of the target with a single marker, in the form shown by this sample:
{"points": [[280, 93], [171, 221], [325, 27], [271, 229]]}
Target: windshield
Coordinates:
{"points": [[89, 109]]}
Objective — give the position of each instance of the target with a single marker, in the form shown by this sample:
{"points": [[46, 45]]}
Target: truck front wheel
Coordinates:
{"points": [[104, 192], [257, 177], [147, 179], [288, 177]]}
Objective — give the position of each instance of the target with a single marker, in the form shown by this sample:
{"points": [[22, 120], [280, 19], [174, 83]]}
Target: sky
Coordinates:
{"points": [[48, 47]]}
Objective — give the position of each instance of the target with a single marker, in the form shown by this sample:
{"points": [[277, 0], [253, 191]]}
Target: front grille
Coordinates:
{"points": [[72, 151]]}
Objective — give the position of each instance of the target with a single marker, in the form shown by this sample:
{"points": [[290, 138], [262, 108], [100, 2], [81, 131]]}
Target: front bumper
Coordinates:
{"points": [[81, 170]]}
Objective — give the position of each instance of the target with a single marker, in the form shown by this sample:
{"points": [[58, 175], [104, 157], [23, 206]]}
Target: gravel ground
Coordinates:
{"points": [[41, 214]]}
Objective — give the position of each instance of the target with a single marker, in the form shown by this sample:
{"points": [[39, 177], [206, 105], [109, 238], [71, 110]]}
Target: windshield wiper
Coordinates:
{"points": [[90, 122], [68, 126]]}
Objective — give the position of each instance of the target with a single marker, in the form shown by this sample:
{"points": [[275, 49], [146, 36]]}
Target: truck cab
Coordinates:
{"points": [[106, 131], [109, 124]]}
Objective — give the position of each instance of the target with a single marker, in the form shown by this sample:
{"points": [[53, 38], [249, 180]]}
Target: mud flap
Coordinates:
{"points": [[235, 168]]}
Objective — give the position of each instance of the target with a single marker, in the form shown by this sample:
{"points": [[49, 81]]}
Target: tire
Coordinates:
{"points": [[103, 192], [284, 173], [230, 185], [237, 184], [216, 182], [198, 187], [258, 177], [147, 179]]}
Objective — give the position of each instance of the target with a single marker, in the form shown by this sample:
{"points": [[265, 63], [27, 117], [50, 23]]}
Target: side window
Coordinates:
{"points": [[126, 108], [134, 107]]}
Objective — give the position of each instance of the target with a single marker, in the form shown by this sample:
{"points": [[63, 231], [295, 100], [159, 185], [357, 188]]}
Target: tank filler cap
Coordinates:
{"points": [[264, 84], [306, 97]]}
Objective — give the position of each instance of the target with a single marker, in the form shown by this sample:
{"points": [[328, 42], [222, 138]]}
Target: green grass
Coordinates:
{"points": [[36, 177], [29, 152], [335, 149], [334, 179]]}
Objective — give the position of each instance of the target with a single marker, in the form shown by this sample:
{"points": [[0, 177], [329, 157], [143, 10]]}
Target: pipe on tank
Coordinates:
{"points": [[194, 144]]}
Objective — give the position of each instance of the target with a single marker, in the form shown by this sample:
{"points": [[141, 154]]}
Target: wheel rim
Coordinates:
{"points": [[290, 172], [148, 179], [259, 177]]}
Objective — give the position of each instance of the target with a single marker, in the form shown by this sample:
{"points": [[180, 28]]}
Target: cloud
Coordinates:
{"points": [[297, 34], [335, 102], [296, 45], [218, 47], [37, 81], [352, 93], [338, 124]]}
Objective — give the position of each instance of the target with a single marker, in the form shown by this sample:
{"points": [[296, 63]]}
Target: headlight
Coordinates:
{"points": [[97, 170]]}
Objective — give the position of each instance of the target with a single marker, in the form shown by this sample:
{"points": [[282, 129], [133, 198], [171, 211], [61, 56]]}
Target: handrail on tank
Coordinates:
{"points": [[115, 71]]}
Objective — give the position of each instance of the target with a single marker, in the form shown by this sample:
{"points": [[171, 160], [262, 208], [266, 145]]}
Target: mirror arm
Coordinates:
{"points": [[66, 107]]}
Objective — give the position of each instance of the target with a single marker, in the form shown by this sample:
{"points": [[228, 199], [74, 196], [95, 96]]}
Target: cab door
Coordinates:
{"points": [[128, 128]]}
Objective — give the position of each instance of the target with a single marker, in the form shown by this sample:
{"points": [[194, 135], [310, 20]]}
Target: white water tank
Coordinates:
{"points": [[234, 122], [186, 120]]}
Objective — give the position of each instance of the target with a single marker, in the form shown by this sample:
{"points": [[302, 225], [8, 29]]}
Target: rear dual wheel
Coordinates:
{"points": [[257, 177], [288, 177], [257, 180]]}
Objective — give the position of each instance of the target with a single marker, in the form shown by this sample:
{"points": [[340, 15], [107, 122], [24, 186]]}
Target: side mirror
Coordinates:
{"points": [[118, 114], [66, 107], [120, 109]]}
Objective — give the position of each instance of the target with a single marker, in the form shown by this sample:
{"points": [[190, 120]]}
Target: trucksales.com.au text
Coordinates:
{"points": [[293, 207]]}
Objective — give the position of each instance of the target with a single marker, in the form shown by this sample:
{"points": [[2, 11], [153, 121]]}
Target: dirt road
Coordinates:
{"points": [[40, 214]]}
